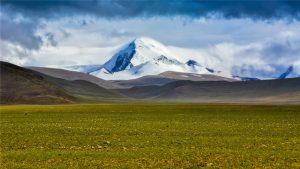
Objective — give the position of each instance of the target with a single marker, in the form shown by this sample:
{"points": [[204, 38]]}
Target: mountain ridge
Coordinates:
{"points": [[272, 91], [73, 75], [21, 85], [168, 77], [24, 86]]}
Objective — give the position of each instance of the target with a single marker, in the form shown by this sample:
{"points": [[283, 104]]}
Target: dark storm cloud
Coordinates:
{"points": [[23, 32], [20, 32], [255, 9]]}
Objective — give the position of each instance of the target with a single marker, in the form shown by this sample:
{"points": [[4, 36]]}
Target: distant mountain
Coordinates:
{"points": [[85, 91], [145, 56], [72, 75], [260, 91], [167, 77], [280, 72], [266, 71], [24, 86]]}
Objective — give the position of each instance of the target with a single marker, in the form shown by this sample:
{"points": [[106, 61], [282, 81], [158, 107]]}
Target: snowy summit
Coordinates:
{"points": [[145, 56]]}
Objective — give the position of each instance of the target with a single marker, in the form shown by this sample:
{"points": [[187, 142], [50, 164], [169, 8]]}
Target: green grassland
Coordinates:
{"points": [[150, 135]]}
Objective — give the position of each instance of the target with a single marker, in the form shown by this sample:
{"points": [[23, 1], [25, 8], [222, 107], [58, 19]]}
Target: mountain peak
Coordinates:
{"points": [[145, 56], [139, 52]]}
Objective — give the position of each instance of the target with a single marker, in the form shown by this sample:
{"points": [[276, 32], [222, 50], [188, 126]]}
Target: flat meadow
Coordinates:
{"points": [[150, 135]]}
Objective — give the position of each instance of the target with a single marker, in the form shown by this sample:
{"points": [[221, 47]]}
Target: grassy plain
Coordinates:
{"points": [[145, 135]]}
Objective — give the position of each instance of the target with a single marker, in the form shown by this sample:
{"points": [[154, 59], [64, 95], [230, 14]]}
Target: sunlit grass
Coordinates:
{"points": [[137, 135]]}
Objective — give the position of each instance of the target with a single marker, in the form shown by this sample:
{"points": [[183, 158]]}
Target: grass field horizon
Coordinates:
{"points": [[150, 135]]}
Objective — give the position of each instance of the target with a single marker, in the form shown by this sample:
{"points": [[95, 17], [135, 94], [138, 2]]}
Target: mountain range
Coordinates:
{"points": [[38, 85], [145, 56], [143, 69]]}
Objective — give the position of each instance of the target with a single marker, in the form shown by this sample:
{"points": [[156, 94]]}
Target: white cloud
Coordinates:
{"points": [[216, 43], [14, 53], [70, 55]]}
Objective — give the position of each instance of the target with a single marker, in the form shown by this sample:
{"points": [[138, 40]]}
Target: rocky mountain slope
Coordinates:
{"points": [[24, 86], [20, 85]]}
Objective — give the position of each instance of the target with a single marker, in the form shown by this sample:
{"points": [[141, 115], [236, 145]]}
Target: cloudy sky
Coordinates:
{"points": [[246, 36]]}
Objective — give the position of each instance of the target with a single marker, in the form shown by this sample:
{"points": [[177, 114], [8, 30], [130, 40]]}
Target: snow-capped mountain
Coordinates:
{"points": [[252, 72], [145, 56]]}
